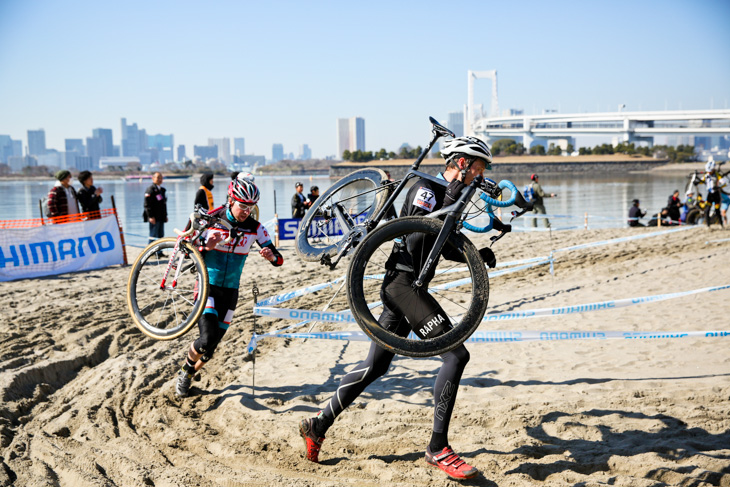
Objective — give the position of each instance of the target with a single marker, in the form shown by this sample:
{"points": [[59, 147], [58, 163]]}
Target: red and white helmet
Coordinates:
{"points": [[243, 191]]}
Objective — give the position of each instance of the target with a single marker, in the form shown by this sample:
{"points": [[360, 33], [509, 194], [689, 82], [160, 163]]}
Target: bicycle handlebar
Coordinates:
{"points": [[516, 199]]}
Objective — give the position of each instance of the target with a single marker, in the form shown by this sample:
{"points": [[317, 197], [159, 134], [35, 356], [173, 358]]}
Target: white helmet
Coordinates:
{"points": [[710, 166], [470, 146], [247, 176]]}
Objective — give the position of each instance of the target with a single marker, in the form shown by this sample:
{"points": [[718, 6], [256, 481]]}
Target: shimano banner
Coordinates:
{"points": [[57, 249]]}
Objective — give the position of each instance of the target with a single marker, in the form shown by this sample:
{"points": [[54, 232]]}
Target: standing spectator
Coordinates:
{"points": [[714, 192], [204, 197], [635, 214], [674, 205], [62, 199], [537, 202], [155, 207], [299, 203], [89, 195], [313, 195]]}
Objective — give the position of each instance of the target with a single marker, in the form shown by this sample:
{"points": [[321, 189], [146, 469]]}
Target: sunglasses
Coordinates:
{"points": [[244, 206]]}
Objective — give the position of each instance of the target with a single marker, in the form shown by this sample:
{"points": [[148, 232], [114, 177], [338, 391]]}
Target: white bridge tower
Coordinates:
{"points": [[470, 114]]}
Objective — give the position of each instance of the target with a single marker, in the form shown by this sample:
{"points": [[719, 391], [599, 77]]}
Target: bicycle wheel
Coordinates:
{"points": [[169, 312], [461, 289], [351, 200]]}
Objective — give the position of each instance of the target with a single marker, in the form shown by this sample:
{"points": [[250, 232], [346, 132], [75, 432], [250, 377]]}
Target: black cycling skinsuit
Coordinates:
{"points": [[405, 308]]}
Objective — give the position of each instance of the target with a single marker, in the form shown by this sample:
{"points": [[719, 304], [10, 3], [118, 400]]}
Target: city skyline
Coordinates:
{"points": [[550, 55]]}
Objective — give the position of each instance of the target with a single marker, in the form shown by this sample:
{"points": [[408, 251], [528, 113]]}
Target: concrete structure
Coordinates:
{"points": [[622, 127], [305, 153], [224, 149], [122, 162], [239, 146], [205, 152], [107, 144], [277, 152], [350, 134], [36, 142], [130, 140]]}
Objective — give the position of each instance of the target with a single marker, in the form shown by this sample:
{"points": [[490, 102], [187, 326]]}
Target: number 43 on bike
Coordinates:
{"points": [[418, 272]]}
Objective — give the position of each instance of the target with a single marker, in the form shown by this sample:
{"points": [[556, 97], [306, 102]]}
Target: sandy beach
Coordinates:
{"points": [[87, 399]]}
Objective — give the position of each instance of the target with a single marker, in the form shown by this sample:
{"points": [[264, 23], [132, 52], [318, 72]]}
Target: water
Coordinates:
{"points": [[606, 198]]}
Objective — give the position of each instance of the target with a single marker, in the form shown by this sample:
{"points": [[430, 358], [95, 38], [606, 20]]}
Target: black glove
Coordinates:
{"points": [[507, 228], [488, 257]]}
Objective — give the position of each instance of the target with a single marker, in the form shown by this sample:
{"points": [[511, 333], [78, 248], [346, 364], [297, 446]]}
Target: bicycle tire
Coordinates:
{"points": [[359, 292], [312, 242], [166, 314]]}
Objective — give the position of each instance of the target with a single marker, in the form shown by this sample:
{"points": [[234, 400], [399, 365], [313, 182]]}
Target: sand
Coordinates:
{"points": [[87, 399]]}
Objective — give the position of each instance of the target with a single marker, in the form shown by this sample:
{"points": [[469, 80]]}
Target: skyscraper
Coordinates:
{"points": [[350, 134], [456, 123], [107, 145], [36, 142], [94, 149], [277, 152], [305, 153], [224, 148], [130, 139], [181, 152], [239, 146]]}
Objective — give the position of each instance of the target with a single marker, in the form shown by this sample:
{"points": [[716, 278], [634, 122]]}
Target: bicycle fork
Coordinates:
{"points": [[169, 264]]}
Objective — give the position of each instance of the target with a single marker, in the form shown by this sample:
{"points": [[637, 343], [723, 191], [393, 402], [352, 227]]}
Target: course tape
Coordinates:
{"points": [[598, 306], [346, 316], [530, 335]]}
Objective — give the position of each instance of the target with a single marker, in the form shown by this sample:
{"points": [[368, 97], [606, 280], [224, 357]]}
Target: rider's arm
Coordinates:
{"points": [[278, 258]]}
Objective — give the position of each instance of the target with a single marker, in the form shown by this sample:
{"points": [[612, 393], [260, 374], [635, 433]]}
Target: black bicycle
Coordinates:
{"points": [[346, 217]]}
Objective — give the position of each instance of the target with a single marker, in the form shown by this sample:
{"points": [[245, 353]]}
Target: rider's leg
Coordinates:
{"points": [[444, 395]]}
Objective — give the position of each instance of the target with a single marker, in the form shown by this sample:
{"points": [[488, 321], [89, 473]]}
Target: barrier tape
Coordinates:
{"points": [[529, 335], [346, 316]]}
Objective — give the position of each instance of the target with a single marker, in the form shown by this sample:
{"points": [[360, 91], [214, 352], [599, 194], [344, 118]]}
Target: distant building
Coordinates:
{"points": [[107, 145], [122, 162], [36, 142], [205, 152], [277, 152], [181, 152], [75, 145], [239, 146], [224, 148], [94, 149], [17, 163], [82, 163], [9, 148], [130, 140], [456, 123], [248, 160], [305, 153], [161, 147], [52, 159], [350, 134]]}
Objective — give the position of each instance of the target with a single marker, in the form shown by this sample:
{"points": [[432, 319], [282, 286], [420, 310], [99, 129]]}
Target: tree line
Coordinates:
{"points": [[382, 154]]}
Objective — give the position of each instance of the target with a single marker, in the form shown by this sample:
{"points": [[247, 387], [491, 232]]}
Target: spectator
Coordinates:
{"points": [[204, 197], [635, 214], [663, 219], [674, 205], [299, 203], [89, 195], [234, 175], [313, 195], [155, 207], [62, 199], [538, 206]]}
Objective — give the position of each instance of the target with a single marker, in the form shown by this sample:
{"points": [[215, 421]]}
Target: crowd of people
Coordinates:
{"points": [[712, 209]]}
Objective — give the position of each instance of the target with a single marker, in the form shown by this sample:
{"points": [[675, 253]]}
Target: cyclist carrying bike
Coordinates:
{"points": [[225, 263], [406, 308], [714, 198]]}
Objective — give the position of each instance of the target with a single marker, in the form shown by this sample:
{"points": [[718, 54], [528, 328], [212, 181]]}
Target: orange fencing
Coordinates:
{"points": [[60, 220]]}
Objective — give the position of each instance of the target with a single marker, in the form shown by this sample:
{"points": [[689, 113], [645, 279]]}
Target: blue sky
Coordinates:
{"points": [[283, 72]]}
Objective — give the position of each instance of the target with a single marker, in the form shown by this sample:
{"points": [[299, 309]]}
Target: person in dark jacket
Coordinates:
{"points": [[89, 195], [155, 207], [62, 199], [635, 214], [313, 194], [204, 196], [674, 205], [299, 203]]}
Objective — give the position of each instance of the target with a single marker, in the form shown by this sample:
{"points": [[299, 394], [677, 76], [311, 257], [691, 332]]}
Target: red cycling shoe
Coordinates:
{"points": [[312, 442], [451, 463]]}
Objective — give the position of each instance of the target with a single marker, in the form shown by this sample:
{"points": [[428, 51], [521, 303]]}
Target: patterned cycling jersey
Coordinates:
{"points": [[225, 262]]}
